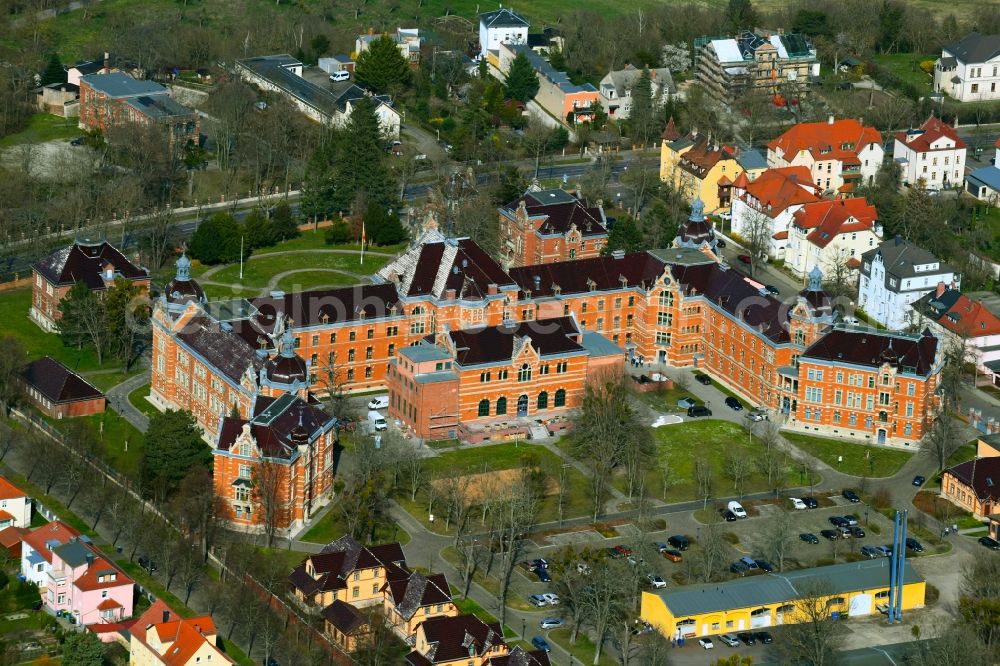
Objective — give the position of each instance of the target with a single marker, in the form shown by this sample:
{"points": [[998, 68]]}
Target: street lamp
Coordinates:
{"points": [[524, 629]]}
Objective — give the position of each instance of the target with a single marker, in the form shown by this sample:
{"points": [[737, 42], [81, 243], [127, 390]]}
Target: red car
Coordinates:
{"points": [[745, 258]]}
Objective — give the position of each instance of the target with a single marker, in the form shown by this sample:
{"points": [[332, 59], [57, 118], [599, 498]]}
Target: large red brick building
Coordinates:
{"points": [[115, 99], [59, 392], [550, 225], [95, 263]]}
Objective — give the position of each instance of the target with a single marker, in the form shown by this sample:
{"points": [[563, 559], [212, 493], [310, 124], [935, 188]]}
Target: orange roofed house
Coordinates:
{"points": [[160, 637], [15, 506], [771, 200], [95, 263], [840, 154], [932, 154], [550, 225], [830, 235], [701, 168], [953, 316]]}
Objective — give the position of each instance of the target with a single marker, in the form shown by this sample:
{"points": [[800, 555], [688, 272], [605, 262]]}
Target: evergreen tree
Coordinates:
{"points": [[83, 649], [54, 72], [217, 240], [511, 186], [173, 447], [284, 223], [258, 230], [382, 65], [383, 226], [360, 167], [741, 15], [643, 116], [522, 81], [338, 232], [624, 235], [318, 188]]}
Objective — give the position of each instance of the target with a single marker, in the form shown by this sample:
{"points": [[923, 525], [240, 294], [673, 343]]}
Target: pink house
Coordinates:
{"points": [[83, 583]]}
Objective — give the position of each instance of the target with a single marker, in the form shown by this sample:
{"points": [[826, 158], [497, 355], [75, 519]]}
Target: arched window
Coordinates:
{"points": [[543, 400], [484, 407], [560, 399], [524, 374], [501, 406]]}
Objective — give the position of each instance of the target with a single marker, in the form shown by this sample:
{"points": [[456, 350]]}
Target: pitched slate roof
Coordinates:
{"points": [[231, 354], [435, 265], [975, 48], [704, 155], [980, 474], [549, 337], [900, 257], [870, 348], [777, 189], [278, 428], [503, 18], [920, 140], [57, 382], [561, 210], [454, 638], [345, 617], [322, 306], [520, 657], [416, 591], [958, 313], [339, 558], [603, 273], [54, 533], [827, 219], [623, 80], [825, 140], [85, 262]]}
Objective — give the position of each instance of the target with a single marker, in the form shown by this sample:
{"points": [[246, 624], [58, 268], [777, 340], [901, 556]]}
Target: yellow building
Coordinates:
{"points": [[853, 589], [701, 169]]}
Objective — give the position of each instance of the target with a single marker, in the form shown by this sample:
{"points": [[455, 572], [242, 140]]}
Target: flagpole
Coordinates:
{"points": [[363, 242]]}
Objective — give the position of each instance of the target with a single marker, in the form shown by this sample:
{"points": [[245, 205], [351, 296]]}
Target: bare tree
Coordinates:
{"points": [[197, 509], [655, 650], [666, 473], [712, 552], [756, 233], [777, 539], [268, 496], [571, 584], [812, 636], [159, 238], [511, 520], [12, 362], [703, 480], [605, 607], [738, 469], [943, 439], [979, 597]]}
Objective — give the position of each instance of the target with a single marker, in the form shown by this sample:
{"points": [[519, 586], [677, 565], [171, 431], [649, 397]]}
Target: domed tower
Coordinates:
{"points": [[813, 314], [183, 289], [286, 371], [697, 232]]}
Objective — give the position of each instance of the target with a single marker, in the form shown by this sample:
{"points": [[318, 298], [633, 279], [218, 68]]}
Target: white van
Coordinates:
{"points": [[737, 509], [342, 75], [377, 421]]}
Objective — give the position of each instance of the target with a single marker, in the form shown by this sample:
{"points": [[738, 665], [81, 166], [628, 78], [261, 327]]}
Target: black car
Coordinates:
{"points": [[809, 537], [914, 545], [734, 404], [830, 534], [147, 564], [703, 379], [747, 638], [699, 410], [679, 541], [771, 289], [870, 552], [990, 542], [857, 532], [919, 480], [728, 515], [850, 496], [839, 521], [763, 637], [765, 566], [739, 567], [78, 141], [720, 243], [543, 575], [810, 502]]}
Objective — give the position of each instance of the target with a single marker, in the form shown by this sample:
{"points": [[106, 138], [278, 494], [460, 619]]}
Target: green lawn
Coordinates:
{"points": [[316, 240], [470, 607], [666, 400], [259, 269], [331, 526], [107, 380], [859, 459], [121, 444], [138, 400], [314, 278], [966, 452], [43, 127], [584, 648], [906, 66], [15, 305]]}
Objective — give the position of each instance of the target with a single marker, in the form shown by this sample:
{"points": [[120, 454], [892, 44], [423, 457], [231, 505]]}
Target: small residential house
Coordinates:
{"points": [[348, 571], [828, 234], [701, 168], [984, 182], [36, 551], [58, 392], [96, 263], [346, 625], [407, 40], [456, 641], [86, 585], [59, 99], [88, 67], [160, 637], [931, 156], [544, 226], [840, 154], [15, 506], [894, 275], [951, 315], [501, 26], [562, 99], [974, 485], [412, 600], [616, 88], [772, 199], [116, 99], [969, 69]]}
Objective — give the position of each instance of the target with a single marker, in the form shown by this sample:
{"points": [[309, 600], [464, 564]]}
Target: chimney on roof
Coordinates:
{"points": [[166, 616], [940, 289], [492, 289], [449, 294], [829, 120], [107, 60], [90, 560]]}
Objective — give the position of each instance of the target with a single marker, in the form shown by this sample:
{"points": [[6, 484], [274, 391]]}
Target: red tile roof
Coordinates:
{"points": [[958, 313], [9, 491], [10, 537], [5, 515], [183, 636], [933, 129], [57, 531], [108, 604], [90, 580], [826, 140], [827, 219], [782, 187], [742, 181]]}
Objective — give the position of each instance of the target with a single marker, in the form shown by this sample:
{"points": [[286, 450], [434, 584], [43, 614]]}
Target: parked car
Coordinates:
{"points": [[771, 289], [541, 644], [679, 541], [720, 243], [756, 415], [537, 600], [857, 532], [850, 496], [838, 521], [797, 504], [686, 403], [699, 410], [540, 563], [656, 582], [551, 599], [659, 546], [870, 552], [810, 502], [919, 480], [744, 258], [583, 568], [829, 534], [729, 640], [851, 519], [750, 562], [990, 542], [739, 567], [673, 555], [623, 549], [78, 141], [885, 549], [706, 643], [737, 508], [747, 638], [342, 75], [380, 402], [764, 566], [914, 545], [727, 515], [845, 532], [705, 380], [551, 623], [543, 575], [734, 404], [763, 637], [613, 553], [147, 563], [809, 537]]}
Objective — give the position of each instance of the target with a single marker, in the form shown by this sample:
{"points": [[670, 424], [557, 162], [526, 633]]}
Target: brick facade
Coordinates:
{"points": [[550, 225], [116, 99]]}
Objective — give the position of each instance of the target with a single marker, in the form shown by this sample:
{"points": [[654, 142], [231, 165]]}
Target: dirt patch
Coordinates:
{"points": [[476, 487]]}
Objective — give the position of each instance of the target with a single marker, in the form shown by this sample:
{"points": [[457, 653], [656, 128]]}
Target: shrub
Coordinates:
{"points": [[730, 538], [881, 499], [338, 232], [927, 65], [932, 594]]}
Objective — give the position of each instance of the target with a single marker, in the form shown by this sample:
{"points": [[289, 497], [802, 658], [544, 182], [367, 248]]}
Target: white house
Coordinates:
{"points": [[953, 316], [984, 182], [772, 198], [616, 88], [932, 154], [407, 40], [15, 506], [827, 234], [969, 69], [502, 26], [840, 154], [894, 275]]}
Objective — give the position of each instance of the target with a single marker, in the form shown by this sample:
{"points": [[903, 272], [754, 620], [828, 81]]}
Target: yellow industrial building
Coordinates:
{"points": [[755, 602]]}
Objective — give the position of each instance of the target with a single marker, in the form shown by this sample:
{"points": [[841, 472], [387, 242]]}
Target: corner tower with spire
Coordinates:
{"points": [[697, 232]]}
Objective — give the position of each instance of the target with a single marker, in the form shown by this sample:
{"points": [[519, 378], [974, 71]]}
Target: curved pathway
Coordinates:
{"points": [[215, 269], [118, 399]]}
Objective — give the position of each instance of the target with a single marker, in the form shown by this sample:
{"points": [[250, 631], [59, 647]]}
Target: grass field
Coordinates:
{"points": [[15, 305], [121, 444], [859, 460], [584, 648], [331, 526], [907, 67], [315, 278], [138, 400], [259, 269], [43, 127]]}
